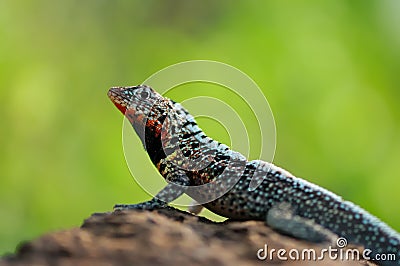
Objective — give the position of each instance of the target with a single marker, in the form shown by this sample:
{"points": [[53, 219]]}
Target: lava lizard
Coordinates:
{"points": [[220, 179]]}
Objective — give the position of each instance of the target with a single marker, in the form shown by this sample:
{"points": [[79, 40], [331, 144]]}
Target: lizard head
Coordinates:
{"points": [[140, 104], [133, 98], [146, 110]]}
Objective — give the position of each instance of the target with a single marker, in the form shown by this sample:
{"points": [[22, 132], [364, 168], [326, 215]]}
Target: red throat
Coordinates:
{"points": [[121, 107]]}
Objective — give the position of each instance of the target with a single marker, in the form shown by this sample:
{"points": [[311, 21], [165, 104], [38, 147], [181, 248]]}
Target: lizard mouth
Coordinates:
{"points": [[118, 98]]}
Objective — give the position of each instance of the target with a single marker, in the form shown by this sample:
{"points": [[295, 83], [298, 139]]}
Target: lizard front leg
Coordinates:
{"points": [[175, 188]]}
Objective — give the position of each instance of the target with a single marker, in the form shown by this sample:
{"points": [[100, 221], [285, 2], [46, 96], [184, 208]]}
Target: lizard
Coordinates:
{"points": [[220, 179]]}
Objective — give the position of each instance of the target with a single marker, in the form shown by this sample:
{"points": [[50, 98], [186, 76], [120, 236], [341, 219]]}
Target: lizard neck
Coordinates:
{"points": [[154, 129], [152, 140]]}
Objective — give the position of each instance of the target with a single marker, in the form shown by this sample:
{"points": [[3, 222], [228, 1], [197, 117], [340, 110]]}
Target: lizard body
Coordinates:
{"points": [[187, 158]]}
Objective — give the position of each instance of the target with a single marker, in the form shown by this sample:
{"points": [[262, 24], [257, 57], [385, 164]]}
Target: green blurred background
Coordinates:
{"points": [[330, 70]]}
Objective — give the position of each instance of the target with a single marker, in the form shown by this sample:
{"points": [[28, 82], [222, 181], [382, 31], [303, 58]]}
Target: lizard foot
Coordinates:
{"points": [[147, 205]]}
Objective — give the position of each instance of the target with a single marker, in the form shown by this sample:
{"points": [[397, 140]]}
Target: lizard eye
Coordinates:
{"points": [[142, 94]]}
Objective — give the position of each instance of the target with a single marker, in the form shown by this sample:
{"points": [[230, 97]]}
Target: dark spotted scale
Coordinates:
{"points": [[185, 155]]}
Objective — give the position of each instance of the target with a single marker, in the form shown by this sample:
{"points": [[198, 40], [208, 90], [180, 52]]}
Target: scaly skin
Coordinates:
{"points": [[187, 158]]}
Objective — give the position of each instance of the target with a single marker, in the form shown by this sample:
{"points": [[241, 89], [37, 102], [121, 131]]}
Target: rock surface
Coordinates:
{"points": [[161, 237]]}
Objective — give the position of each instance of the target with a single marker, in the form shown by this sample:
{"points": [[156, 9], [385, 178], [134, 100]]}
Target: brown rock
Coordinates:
{"points": [[161, 237]]}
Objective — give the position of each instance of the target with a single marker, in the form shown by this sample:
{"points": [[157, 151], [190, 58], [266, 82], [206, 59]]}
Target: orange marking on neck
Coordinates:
{"points": [[154, 123]]}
